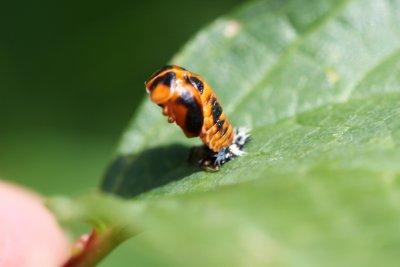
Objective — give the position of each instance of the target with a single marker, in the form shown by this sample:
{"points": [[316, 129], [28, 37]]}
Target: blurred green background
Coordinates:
{"points": [[71, 76]]}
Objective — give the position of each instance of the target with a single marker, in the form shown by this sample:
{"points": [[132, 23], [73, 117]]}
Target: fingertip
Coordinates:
{"points": [[29, 233]]}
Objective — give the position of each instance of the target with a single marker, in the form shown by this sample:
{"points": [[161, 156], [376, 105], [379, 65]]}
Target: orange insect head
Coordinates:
{"points": [[159, 88]]}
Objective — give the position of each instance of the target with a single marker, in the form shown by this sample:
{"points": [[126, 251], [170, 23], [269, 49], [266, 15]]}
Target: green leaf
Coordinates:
{"points": [[319, 84]]}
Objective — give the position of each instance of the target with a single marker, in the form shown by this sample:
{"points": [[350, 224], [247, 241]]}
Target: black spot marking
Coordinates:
{"points": [[194, 117], [179, 67], [216, 110], [167, 67], [169, 77], [224, 130], [196, 83], [220, 124], [166, 79]]}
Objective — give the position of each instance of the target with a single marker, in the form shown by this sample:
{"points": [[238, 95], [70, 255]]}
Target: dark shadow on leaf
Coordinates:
{"points": [[131, 175]]}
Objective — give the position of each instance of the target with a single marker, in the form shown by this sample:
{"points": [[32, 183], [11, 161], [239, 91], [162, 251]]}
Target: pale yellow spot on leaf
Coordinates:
{"points": [[232, 28], [332, 76]]}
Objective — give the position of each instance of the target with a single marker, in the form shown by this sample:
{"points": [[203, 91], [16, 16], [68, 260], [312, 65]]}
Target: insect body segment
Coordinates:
{"points": [[188, 100]]}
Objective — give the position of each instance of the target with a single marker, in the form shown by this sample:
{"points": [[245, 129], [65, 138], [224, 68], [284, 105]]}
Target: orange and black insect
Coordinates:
{"points": [[190, 102]]}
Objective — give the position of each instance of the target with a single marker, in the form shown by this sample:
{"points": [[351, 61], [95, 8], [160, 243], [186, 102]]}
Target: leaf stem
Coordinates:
{"points": [[98, 245]]}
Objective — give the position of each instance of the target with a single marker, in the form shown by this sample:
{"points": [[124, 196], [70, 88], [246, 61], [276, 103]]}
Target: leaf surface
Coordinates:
{"points": [[319, 84]]}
